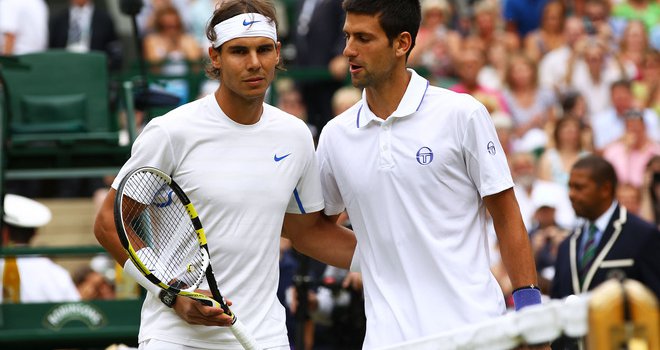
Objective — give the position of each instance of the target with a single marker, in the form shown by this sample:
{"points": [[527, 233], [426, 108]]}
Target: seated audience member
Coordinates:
{"points": [[82, 27], [170, 46], [567, 148], [468, 67], [609, 240], [92, 285], [550, 35], [431, 49], [630, 153], [531, 106], [592, 69], [30, 279], [609, 125]]}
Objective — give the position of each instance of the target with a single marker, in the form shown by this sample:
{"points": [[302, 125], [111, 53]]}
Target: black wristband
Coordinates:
{"points": [[531, 286]]}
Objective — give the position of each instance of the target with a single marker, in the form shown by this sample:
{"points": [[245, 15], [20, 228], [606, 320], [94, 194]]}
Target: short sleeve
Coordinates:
{"points": [[153, 147], [307, 196], [485, 158], [334, 203]]}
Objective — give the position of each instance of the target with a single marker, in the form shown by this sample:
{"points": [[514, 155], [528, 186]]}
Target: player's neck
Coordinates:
{"points": [[242, 110], [384, 97]]}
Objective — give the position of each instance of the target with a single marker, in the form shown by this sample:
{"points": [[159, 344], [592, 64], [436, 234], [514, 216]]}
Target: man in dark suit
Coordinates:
{"points": [[83, 27], [319, 42], [610, 242]]}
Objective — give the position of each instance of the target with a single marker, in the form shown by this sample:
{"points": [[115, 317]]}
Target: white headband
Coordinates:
{"points": [[244, 25]]}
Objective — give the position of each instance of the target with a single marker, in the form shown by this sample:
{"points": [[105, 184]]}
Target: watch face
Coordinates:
{"points": [[168, 298]]}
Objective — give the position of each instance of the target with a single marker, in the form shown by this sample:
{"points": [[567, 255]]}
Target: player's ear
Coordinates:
{"points": [[403, 44], [214, 55]]}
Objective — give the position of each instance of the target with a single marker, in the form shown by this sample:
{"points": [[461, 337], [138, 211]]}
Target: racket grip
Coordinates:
{"points": [[243, 335]]}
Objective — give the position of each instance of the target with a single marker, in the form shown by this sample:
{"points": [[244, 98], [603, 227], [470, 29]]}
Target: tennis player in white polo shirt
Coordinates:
{"points": [[416, 166]]}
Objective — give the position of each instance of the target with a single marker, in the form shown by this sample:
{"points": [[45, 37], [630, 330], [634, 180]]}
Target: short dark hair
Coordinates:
{"points": [[624, 83], [395, 16], [601, 170], [230, 8], [21, 235]]}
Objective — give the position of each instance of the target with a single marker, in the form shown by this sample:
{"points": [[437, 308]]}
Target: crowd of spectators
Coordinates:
{"points": [[561, 78]]}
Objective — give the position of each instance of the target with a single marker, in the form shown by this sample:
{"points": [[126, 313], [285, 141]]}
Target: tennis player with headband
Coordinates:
{"points": [[250, 170]]}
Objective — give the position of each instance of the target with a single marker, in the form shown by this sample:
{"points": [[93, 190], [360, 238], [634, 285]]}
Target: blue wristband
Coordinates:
{"points": [[526, 296]]}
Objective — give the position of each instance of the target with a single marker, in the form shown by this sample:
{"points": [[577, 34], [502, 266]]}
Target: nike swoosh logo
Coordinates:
{"points": [[245, 23], [277, 159]]}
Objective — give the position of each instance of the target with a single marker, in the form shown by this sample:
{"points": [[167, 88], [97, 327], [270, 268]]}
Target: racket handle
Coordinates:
{"points": [[243, 335]]}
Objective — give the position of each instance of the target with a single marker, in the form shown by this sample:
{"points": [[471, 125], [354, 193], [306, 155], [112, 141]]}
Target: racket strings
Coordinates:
{"points": [[160, 223]]}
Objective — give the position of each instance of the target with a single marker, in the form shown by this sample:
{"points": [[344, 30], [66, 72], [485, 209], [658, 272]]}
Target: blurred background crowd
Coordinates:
{"points": [[561, 79]]}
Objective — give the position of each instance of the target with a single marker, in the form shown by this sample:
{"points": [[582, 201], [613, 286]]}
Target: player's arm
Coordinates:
{"points": [[320, 237], [188, 309], [105, 231], [515, 248]]}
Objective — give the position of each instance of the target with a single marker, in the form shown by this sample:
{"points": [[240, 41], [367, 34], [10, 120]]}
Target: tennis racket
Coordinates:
{"points": [[163, 236]]}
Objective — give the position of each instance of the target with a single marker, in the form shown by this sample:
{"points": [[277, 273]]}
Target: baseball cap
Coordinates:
{"points": [[20, 211]]}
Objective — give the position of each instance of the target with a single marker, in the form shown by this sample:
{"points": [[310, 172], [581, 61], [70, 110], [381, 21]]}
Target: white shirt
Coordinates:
{"points": [[43, 281], [80, 17], [28, 21], [413, 186], [241, 179]]}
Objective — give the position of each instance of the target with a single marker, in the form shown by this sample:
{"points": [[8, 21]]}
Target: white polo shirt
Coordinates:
{"points": [[241, 179], [413, 187]]}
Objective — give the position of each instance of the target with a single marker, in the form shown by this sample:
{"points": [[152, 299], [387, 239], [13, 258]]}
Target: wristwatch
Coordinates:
{"points": [[168, 298]]}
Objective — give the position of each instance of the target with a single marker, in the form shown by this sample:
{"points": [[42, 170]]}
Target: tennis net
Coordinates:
{"points": [[614, 316]]}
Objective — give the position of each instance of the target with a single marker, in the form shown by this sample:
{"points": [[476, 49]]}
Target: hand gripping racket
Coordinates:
{"points": [[163, 236]]}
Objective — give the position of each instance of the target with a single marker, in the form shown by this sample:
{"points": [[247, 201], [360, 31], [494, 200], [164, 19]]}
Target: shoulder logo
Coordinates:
{"points": [[491, 148], [424, 156], [246, 23], [277, 159]]}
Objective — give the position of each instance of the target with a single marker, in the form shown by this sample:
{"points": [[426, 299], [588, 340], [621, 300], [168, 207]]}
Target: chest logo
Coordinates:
{"points": [[277, 159], [424, 156], [491, 148]]}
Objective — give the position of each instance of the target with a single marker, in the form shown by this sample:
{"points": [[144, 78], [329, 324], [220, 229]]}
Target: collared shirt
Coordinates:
{"points": [[601, 225], [80, 18], [413, 186]]}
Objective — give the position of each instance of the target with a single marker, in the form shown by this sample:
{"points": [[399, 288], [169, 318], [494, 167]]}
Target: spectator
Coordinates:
{"points": [[491, 75], [592, 68], [630, 154], [646, 90], [609, 125], [523, 170], [92, 285], [487, 31], [171, 51], [630, 197], [42, 280], [319, 42], [550, 35], [23, 26], [608, 240], [531, 106], [468, 67], [552, 67], [345, 98], [432, 49], [556, 161], [523, 16], [82, 27], [633, 46]]}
